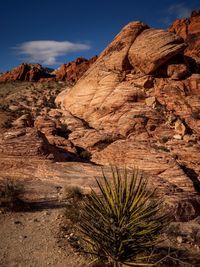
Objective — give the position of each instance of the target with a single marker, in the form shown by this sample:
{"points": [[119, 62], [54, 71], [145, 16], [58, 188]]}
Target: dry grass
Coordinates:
{"points": [[11, 195]]}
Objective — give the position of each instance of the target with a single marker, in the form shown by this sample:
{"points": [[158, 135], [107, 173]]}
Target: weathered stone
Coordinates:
{"points": [[23, 143], [193, 84], [153, 48], [180, 128], [177, 71], [150, 101], [177, 137], [25, 120], [97, 94]]}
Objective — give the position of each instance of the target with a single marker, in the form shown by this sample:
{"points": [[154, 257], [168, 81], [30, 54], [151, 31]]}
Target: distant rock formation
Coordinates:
{"points": [[73, 71], [70, 72], [26, 72]]}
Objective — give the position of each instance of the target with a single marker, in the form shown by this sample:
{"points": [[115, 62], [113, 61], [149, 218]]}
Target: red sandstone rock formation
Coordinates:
{"points": [[139, 105], [72, 71], [25, 72], [189, 30]]}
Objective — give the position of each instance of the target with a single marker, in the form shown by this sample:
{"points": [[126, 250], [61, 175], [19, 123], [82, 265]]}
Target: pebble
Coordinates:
{"points": [[179, 239], [177, 137]]}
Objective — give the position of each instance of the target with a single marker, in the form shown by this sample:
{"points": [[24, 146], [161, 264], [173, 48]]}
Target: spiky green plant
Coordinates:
{"points": [[123, 222]]}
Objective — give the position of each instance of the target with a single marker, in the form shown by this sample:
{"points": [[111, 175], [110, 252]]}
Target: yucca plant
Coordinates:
{"points": [[122, 223]]}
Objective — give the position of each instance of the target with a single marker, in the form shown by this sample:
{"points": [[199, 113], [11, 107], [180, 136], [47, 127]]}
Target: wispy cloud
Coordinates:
{"points": [[47, 52], [179, 10], [176, 11]]}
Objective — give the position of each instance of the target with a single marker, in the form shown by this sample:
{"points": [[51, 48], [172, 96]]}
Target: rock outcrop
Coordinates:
{"points": [[154, 47], [26, 72], [138, 105], [23, 143], [72, 71], [31, 143], [108, 95], [189, 30]]}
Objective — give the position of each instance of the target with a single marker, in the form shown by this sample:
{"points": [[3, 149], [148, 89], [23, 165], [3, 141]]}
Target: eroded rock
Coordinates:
{"points": [[153, 48], [189, 30]]}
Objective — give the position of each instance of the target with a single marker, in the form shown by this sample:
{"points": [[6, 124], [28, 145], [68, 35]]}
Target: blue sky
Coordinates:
{"points": [[54, 32]]}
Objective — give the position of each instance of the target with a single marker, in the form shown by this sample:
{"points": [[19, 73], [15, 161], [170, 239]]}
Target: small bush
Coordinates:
{"points": [[164, 139], [11, 193], [84, 154], [7, 124], [121, 225], [74, 192], [74, 196]]}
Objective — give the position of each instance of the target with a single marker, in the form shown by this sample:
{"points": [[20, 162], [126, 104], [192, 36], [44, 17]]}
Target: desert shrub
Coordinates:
{"points": [[74, 196], [11, 193], [83, 153], [74, 192], [7, 124], [4, 107], [164, 139], [162, 148], [122, 224]]}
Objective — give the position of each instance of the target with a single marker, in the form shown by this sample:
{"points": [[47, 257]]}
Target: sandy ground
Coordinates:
{"points": [[34, 238], [31, 239]]}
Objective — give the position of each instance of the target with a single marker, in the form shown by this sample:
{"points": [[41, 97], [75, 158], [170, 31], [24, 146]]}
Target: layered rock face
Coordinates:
{"points": [[72, 71], [25, 72], [23, 142], [139, 105], [152, 48], [189, 30]]}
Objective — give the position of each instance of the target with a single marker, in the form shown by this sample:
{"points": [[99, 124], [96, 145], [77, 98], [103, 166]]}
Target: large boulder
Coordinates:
{"points": [[100, 91], [104, 97], [154, 47]]}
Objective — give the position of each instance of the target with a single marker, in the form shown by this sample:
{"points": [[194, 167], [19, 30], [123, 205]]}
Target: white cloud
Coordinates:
{"points": [[176, 11], [179, 10], [47, 52]]}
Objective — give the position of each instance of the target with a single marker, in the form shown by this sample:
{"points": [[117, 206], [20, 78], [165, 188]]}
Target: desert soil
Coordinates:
{"points": [[32, 239]]}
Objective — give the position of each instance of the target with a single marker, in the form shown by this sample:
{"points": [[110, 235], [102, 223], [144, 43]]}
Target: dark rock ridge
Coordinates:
{"points": [[26, 72]]}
